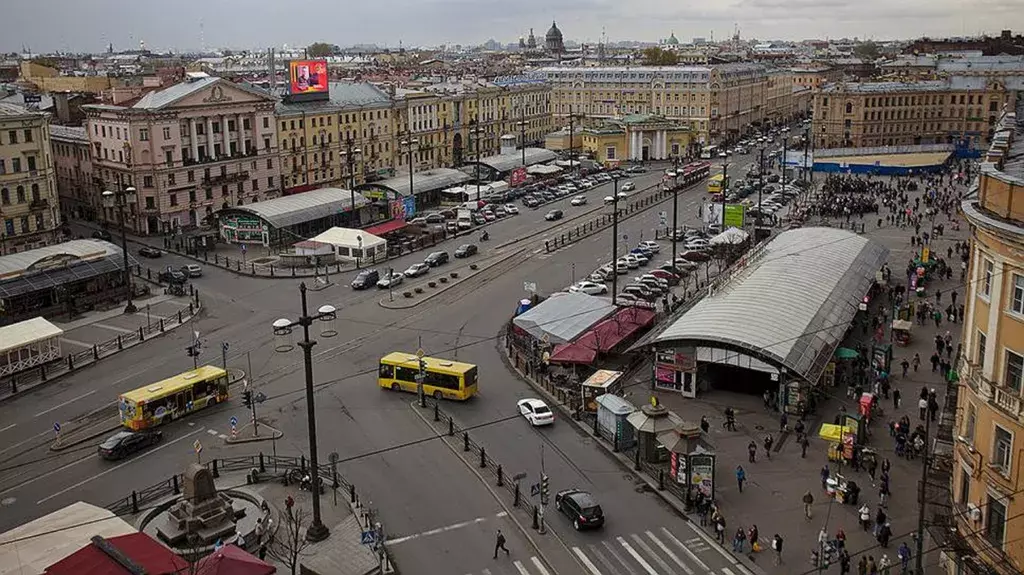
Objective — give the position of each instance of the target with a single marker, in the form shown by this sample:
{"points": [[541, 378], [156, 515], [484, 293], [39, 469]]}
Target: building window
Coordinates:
{"points": [[1014, 370], [170, 179], [144, 134], [12, 137], [31, 163], [40, 222], [995, 522], [1017, 301], [610, 152], [270, 182], [167, 133], [174, 199], [150, 203], [5, 197], [3, 167], [965, 487], [1002, 450], [28, 135], [988, 269], [191, 176], [147, 181], [982, 341], [970, 422], [21, 194], [15, 165], [169, 158]]}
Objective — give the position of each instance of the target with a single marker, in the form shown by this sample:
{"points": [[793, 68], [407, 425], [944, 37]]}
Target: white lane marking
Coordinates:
{"points": [[519, 567], [617, 557], [114, 328], [643, 545], [8, 427], [113, 469], [707, 539], [669, 552], [726, 571], [685, 549], [444, 529], [68, 402], [47, 474], [586, 561], [211, 431], [647, 566], [76, 342], [222, 436], [485, 572], [540, 566], [20, 443]]}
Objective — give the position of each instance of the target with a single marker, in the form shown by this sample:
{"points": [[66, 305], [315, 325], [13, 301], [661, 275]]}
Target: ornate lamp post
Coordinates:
{"points": [[408, 144], [120, 200]]}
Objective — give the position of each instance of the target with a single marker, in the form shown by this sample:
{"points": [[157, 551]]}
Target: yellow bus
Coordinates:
{"points": [[717, 183], [444, 378], [174, 397]]}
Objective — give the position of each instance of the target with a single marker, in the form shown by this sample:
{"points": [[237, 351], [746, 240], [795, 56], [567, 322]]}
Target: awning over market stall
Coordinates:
{"points": [[604, 336]]}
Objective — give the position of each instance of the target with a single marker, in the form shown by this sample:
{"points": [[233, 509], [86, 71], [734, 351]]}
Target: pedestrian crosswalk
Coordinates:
{"points": [[656, 551]]}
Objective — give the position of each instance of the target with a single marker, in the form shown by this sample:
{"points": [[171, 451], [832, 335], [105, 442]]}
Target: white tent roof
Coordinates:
{"points": [[543, 170], [25, 332], [731, 236], [30, 548], [349, 238]]}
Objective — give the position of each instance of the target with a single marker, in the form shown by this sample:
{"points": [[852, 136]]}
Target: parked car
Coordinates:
{"points": [[436, 258], [693, 256], [578, 200], [172, 276], [531, 202], [392, 280], [148, 252], [365, 279], [511, 209], [669, 277], [640, 291], [628, 187], [192, 270], [124, 443], [102, 235], [466, 250], [536, 412], [651, 245], [580, 507], [553, 215], [478, 219], [697, 244], [589, 288], [416, 270]]}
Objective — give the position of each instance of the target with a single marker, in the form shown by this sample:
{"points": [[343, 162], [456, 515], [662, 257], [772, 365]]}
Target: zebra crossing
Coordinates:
{"points": [[656, 551]]}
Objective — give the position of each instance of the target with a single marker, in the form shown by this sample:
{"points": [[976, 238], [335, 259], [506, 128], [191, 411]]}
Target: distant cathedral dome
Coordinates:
{"points": [[672, 40], [531, 42], [553, 39]]}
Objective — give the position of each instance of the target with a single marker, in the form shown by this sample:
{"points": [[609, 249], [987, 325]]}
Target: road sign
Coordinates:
{"points": [[56, 427], [197, 447], [224, 347], [519, 476], [333, 457], [534, 489], [530, 287], [368, 538], [243, 248], [420, 353], [234, 421]]}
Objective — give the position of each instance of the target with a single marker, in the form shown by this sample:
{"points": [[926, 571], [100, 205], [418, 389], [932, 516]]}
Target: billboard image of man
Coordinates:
{"points": [[302, 77]]}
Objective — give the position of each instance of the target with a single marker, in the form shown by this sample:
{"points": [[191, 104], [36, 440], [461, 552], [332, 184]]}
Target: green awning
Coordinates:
{"points": [[846, 353]]}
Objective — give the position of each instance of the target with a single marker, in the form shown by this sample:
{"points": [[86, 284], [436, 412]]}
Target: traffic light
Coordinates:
{"points": [[190, 351], [247, 398], [544, 490]]}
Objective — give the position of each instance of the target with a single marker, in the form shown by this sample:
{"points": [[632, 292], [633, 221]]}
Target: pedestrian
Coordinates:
{"points": [[825, 473], [916, 362], [752, 451], [738, 540], [935, 362], [896, 398], [741, 476], [768, 442], [865, 517], [803, 446], [862, 566], [903, 554], [720, 530], [872, 469], [808, 500], [844, 562], [783, 422], [905, 365], [753, 536], [499, 543], [777, 547], [705, 426], [922, 407]]}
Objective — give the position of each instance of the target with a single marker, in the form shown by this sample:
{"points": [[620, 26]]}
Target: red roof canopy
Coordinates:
{"points": [[604, 336], [142, 549], [385, 228], [232, 560]]}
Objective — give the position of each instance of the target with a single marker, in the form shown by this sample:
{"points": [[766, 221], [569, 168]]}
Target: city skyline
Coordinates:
{"points": [[90, 26]]}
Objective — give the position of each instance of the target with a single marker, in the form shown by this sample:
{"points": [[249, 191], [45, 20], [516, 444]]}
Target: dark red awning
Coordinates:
{"points": [[385, 228], [604, 336]]}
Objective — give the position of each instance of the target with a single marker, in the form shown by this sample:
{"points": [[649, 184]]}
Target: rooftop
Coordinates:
{"points": [[68, 133], [564, 316], [50, 266], [12, 109], [791, 304], [511, 160], [887, 87], [426, 181], [305, 207], [343, 96]]}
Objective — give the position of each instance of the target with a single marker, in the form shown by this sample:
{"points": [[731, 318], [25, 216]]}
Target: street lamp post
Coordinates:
{"points": [[283, 328], [120, 200], [474, 131], [350, 160], [409, 143], [522, 134], [760, 188], [615, 240], [675, 212]]}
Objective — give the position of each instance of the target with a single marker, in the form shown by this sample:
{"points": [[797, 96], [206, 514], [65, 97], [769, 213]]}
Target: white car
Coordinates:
{"points": [[630, 263], [650, 245], [698, 244], [536, 412], [389, 282], [416, 270], [628, 187], [511, 209], [634, 261], [589, 288], [578, 200]]}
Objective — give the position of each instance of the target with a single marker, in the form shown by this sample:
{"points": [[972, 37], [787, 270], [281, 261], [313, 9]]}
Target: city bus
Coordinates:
{"points": [[708, 152], [172, 398], [694, 172], [717, 184], [444, 378]]}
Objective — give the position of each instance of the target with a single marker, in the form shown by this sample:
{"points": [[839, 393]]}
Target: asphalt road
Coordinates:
{"points": [[428, 499]]}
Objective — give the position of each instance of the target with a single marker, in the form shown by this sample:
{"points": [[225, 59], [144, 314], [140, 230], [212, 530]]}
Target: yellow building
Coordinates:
{"points": [[871, 114], [29, 210], [988, 461], [779, 104], [638, 137], [49, 80], [815, 77], [717, 103]]}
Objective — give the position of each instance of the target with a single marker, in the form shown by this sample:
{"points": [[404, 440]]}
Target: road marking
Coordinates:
{"points": [[222, 436], [68, 402], [707, 539], [586, 561], [643, 545], [669, 552], [647, 566], [685, 549], [212, 432], [540, 566], [519, 567], [115, 468], [444, 529], [608, 562], [20, 443], [485, 572], [47, 474], [8, 427], [76, 342], [726, 571], [114, 328]]}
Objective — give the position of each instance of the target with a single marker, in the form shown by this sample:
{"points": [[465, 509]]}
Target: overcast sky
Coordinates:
{"points": [[87, 25]]}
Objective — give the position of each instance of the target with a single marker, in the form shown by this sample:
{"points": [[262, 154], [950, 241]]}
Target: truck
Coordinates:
{"points": [[464, 219]]}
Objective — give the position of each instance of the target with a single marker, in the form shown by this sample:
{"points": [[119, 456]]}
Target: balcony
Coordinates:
{"points": [[225, 179], [1000, 396]]}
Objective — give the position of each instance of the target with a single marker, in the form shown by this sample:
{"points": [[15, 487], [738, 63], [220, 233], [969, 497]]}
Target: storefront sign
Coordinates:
{"points": [[702, 473], [410, 206], [397, 209]]}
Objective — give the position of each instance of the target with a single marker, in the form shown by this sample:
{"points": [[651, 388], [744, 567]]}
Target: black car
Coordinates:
{"points": [[125, 443], [148, 252], [553, 215], [102, 235], [435, 259], [466, 250], [580, 507], [366, 279], [172, 276]]}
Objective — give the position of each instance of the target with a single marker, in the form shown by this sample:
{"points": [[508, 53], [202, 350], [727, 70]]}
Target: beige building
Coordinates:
{"points": [[954, 110], [190, 149], [815, 77], [29, 211], [717, 103], [636, 136], [988, 461], [49, 80], [779, 101], [72, 159]]}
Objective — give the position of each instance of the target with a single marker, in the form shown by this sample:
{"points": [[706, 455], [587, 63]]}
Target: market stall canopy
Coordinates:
{"points": [[729, 237], [564, 316], [654, 419], [846, 353], [832, 432], [902, 325], [231, 560], [604, 336]]}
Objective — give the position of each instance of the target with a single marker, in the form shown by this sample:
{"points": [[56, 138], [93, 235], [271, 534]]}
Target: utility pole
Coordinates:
{"points": [[725, 187], [224, 355], [615, 240], [760, 188], [543, 491], [571, 147], [249, 380], [919, 556], [675, 212]]}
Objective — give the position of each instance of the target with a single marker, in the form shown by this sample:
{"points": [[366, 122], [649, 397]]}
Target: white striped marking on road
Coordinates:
{"points": [[617, 557], [643, 545], [726, 571], [691, 554], [540, 566], [519, 567], [211, 431], [68, 402], [486, 572], [222, 436], [76, 342], [712, 544], [113, 328], [113, 469], [48, 473], [586, 561], [669, 552], [647, 566], [444, 529], [8, 427]]}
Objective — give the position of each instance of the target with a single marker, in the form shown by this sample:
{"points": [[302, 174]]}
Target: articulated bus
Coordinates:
{"points": [[694, 172], [172, 398], [717, 184], [444, 378]]}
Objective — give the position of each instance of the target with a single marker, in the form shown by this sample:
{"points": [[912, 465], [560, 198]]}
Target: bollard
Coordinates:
{"points": [[42, 372], [174, 484], [216, 258], [149, 274], [253, 269], [661, 480], [501, 480], [263, 464], [483, 458], [293, 271], [190, 309], [465, 441], [271, 270], [120, 345], [135, 502], [216, 473], [161, 325], [352, 493], [95, 351], [597, 432], [206, 256], [437, 413], [179, 316], [536, 519], [71, 363], [302, 463], [141, 336], [515, 496]]}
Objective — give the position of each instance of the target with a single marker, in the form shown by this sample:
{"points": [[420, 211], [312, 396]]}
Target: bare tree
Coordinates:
{"points": [[288, 540]]}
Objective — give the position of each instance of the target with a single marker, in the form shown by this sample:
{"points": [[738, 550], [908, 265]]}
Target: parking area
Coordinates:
{"points": [[99, 327]]}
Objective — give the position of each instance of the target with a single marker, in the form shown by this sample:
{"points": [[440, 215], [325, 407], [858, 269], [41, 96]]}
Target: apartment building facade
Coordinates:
{"points": [[29, 211], [189, 150], [72, 158]]}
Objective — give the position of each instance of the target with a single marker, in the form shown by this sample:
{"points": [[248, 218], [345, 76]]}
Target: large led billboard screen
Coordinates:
{"points": [[308, 77]]}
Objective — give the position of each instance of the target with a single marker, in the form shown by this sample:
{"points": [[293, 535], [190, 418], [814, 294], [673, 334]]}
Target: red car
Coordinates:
{"points": [[668, 276], [694, 256]]}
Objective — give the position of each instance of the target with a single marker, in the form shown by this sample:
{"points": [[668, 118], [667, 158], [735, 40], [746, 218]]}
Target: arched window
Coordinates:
{"points": [[21, 194], [5, 197], [35, 192], [849, 107]]}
